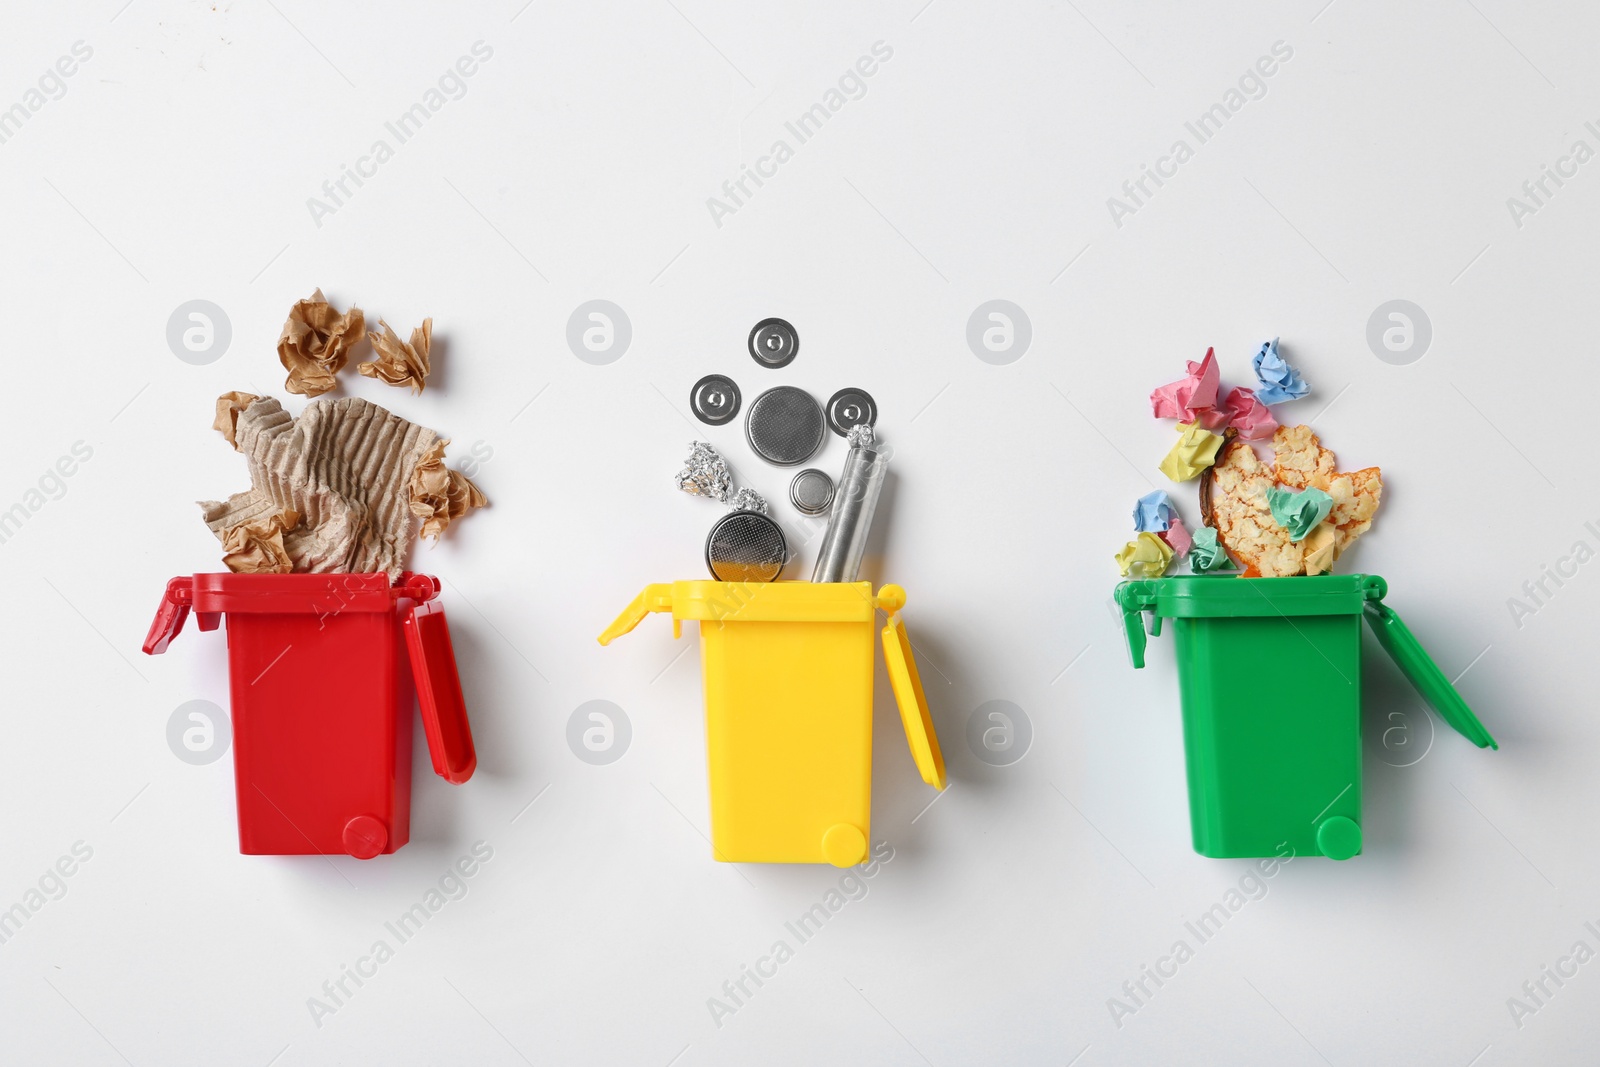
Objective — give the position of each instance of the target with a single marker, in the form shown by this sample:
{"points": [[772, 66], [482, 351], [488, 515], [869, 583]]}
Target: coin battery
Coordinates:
{"points": [[714, 399], [773, 343], [746, 546], [851, 407], [785, 426], [811, 491]]}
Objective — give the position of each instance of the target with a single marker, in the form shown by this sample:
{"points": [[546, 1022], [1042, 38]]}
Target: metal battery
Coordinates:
{"points": [[811, 491], [851, 407], [746, 546], [773, 343], [714, 399], [785, 425], [844, 545]]}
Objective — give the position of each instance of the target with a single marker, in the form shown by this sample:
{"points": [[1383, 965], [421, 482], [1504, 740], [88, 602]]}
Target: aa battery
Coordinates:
{"points": [[845, 542]]}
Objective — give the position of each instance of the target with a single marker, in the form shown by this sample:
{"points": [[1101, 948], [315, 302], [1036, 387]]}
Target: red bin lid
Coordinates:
{"points": [[444, 711]]}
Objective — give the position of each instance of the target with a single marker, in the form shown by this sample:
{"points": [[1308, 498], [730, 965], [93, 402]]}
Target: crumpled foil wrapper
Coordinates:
{"points": [[747, 500], [705, 473], [861, 436]]}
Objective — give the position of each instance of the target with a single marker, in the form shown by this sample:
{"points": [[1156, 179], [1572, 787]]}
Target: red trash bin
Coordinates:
{"points": [[320, 677]]}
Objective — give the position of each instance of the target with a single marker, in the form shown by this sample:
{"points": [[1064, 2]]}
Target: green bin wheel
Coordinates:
{"points": [[1338, 837]]}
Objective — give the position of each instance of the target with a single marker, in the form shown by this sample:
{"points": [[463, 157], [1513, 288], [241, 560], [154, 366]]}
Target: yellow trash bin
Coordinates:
{"points": [[788, 681]]}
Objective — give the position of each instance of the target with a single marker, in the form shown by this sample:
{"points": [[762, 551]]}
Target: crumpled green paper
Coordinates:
{"points": [[1146, 556], [1301, 512], [1195, 451], [1207, 554]]}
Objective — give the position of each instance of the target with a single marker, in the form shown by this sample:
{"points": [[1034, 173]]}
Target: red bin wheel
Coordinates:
{"points": [[365, 836]]}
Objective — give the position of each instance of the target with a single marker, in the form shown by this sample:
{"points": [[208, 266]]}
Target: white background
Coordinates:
{"points": [[177, 166]]}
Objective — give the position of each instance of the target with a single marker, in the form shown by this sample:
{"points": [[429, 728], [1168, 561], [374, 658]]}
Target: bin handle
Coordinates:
{"points": [[170, 616], [654, 598], [1136, 598]]}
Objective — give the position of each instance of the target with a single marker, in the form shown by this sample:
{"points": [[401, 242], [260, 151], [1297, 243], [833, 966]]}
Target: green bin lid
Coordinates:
{"points": [[1419, 668]]}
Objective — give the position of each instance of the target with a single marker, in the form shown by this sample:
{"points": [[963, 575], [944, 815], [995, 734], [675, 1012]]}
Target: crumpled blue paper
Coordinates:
{"points": [[1153, 513], [1301, 512], [1278, 381]]}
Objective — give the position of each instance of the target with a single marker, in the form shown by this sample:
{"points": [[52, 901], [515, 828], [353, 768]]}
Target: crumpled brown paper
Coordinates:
{"points": [[315, 343], [228, 407], [349, 469], [440, 495], [399, 363], [257, 547]]}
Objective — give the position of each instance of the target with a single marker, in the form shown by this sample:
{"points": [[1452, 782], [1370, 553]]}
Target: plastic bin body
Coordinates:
{"points": [[1269, 675], [788, 674], [788, 734], [1265, 771], [321, 688], [309, 756]]}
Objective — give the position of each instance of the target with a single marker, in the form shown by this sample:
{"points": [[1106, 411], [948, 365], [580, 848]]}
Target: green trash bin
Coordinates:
{"points": [[1269, 671]]}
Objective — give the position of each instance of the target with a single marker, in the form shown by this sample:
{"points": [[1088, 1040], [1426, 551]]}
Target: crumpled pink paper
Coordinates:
{"points": [[1192, 397], [1178, 537], [1249, 417]]}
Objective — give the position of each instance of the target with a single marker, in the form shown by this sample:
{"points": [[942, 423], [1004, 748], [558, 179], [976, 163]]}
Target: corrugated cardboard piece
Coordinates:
{"points": [[353, 474]]}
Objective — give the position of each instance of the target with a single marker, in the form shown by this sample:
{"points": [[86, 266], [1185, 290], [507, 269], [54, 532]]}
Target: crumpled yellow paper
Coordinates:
{"points": [[315, 343], [1146, 556], [440, 495], [1321, 548], [399, 363], [1195, 451], [229, 405], [256, 547]]}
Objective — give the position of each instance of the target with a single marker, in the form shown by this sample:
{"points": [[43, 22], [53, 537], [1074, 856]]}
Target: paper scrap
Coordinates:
{"points": [[439, 495], [346, 467], [1195, 392], [315, 342], [228, 407], [256, 546], [1298, 511], [398, 362], [1322, 548], [1244, 521], [1278, 381], [1153, 512], [1146, 556], [1248, 416], [1243, 515], [1195, 451], [1207, 553], [1178, 537], [1300, 461]]}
